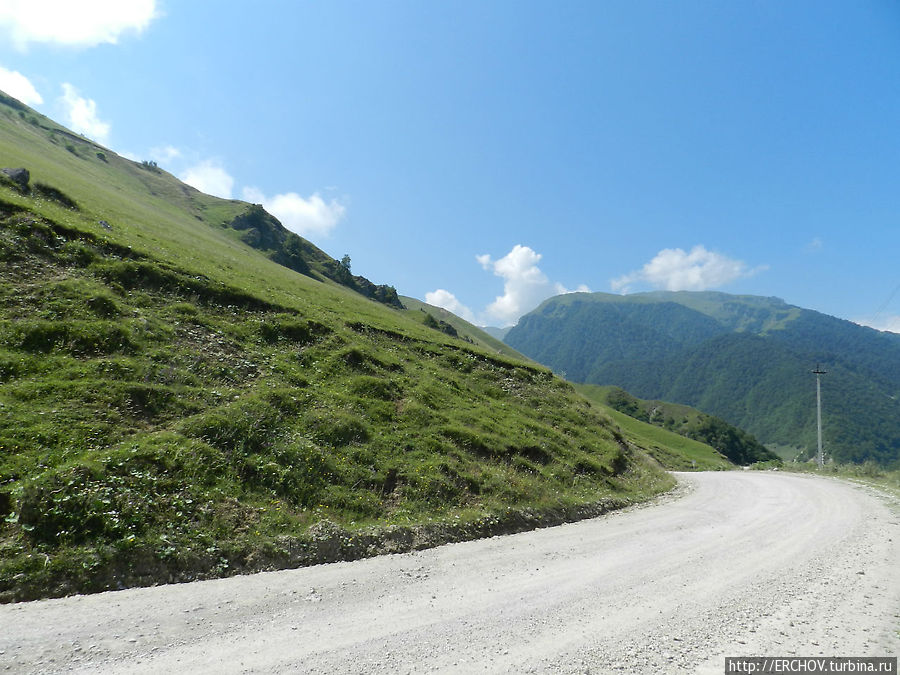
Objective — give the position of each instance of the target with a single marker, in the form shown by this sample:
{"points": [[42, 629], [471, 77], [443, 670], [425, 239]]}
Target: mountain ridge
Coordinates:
{"points": [[746, 359]]}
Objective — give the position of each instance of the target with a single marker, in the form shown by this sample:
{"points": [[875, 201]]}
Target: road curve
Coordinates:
{"points": [[741, 563]]}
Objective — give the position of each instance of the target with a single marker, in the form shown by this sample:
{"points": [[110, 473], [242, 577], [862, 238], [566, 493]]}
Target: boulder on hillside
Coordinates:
{"points": [[19, 176]]}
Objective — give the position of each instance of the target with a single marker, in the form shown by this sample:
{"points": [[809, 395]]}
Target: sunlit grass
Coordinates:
{"points": [[173, 404]]}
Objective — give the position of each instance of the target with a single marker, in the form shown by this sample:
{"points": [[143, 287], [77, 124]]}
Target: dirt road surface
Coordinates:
{"points": [[738, 563]]}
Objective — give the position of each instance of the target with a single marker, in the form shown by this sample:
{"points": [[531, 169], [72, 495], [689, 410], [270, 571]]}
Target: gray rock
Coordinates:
{"points": [[19, 176]]}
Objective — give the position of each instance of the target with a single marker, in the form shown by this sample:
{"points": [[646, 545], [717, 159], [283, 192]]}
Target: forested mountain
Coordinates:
{"points": [[746, 359]]}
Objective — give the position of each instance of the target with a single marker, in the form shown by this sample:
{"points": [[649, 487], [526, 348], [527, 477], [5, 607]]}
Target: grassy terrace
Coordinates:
{"points": [[174, 405]]}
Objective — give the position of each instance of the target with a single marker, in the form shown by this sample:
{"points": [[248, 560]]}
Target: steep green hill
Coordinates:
{"points": [[177, 402], [454, 325], [727, 441], [742, 358]]}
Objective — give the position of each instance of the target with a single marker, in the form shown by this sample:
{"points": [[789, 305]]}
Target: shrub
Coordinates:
{"points": [[131, 490]]}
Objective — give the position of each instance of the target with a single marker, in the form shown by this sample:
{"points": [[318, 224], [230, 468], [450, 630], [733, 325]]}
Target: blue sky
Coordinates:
{"points": [[487, 155]]}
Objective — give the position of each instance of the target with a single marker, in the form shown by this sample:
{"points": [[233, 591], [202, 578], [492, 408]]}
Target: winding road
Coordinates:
{"points": [[734, 563]]}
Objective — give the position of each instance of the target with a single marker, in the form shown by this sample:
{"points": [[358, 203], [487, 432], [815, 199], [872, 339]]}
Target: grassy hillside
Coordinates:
{"points": [[174, 404], [460, 327], [674, 451], [744, 359], [729, 442]]}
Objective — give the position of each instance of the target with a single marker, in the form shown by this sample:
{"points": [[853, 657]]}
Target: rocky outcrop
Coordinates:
{"points": [[20, 177], [263, 231]]}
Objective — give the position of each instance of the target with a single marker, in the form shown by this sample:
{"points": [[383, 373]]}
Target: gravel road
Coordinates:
{"points": [[735, 563]]}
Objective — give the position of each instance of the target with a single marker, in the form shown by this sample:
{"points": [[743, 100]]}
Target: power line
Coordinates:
{"points": [[884, 305]]}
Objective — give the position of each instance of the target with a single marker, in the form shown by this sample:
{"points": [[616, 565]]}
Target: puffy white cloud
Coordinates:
{"points": [[84, 23], [18, 86], [81, 115], [673, 269], [165, 154], [311, 216], [446, 299], [210, 177], [525, 286]]}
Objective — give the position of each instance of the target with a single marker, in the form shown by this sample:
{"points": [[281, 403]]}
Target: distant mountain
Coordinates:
{"points": [[499, 333], [745, 359]]}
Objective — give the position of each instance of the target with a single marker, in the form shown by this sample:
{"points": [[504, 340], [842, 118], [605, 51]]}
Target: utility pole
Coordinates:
{"points": [[820, 458]]}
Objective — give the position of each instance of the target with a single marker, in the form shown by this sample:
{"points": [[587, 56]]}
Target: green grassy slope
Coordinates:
{"points": [[735, 444], [145, 207], [463, 328], [176, 405], [674, 451]]}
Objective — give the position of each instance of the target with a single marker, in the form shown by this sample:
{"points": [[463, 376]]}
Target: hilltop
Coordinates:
{"points": [[185, 393], [745, 359]]}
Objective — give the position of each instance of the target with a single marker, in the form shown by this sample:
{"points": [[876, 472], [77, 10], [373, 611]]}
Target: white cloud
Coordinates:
{"points": [[815, 245], [525, 285], [81, 115], [18, 86], [446, 299], [210, 177], [675, 270], [311, 216], [888, 323], [164, 154], [82, 24]]}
